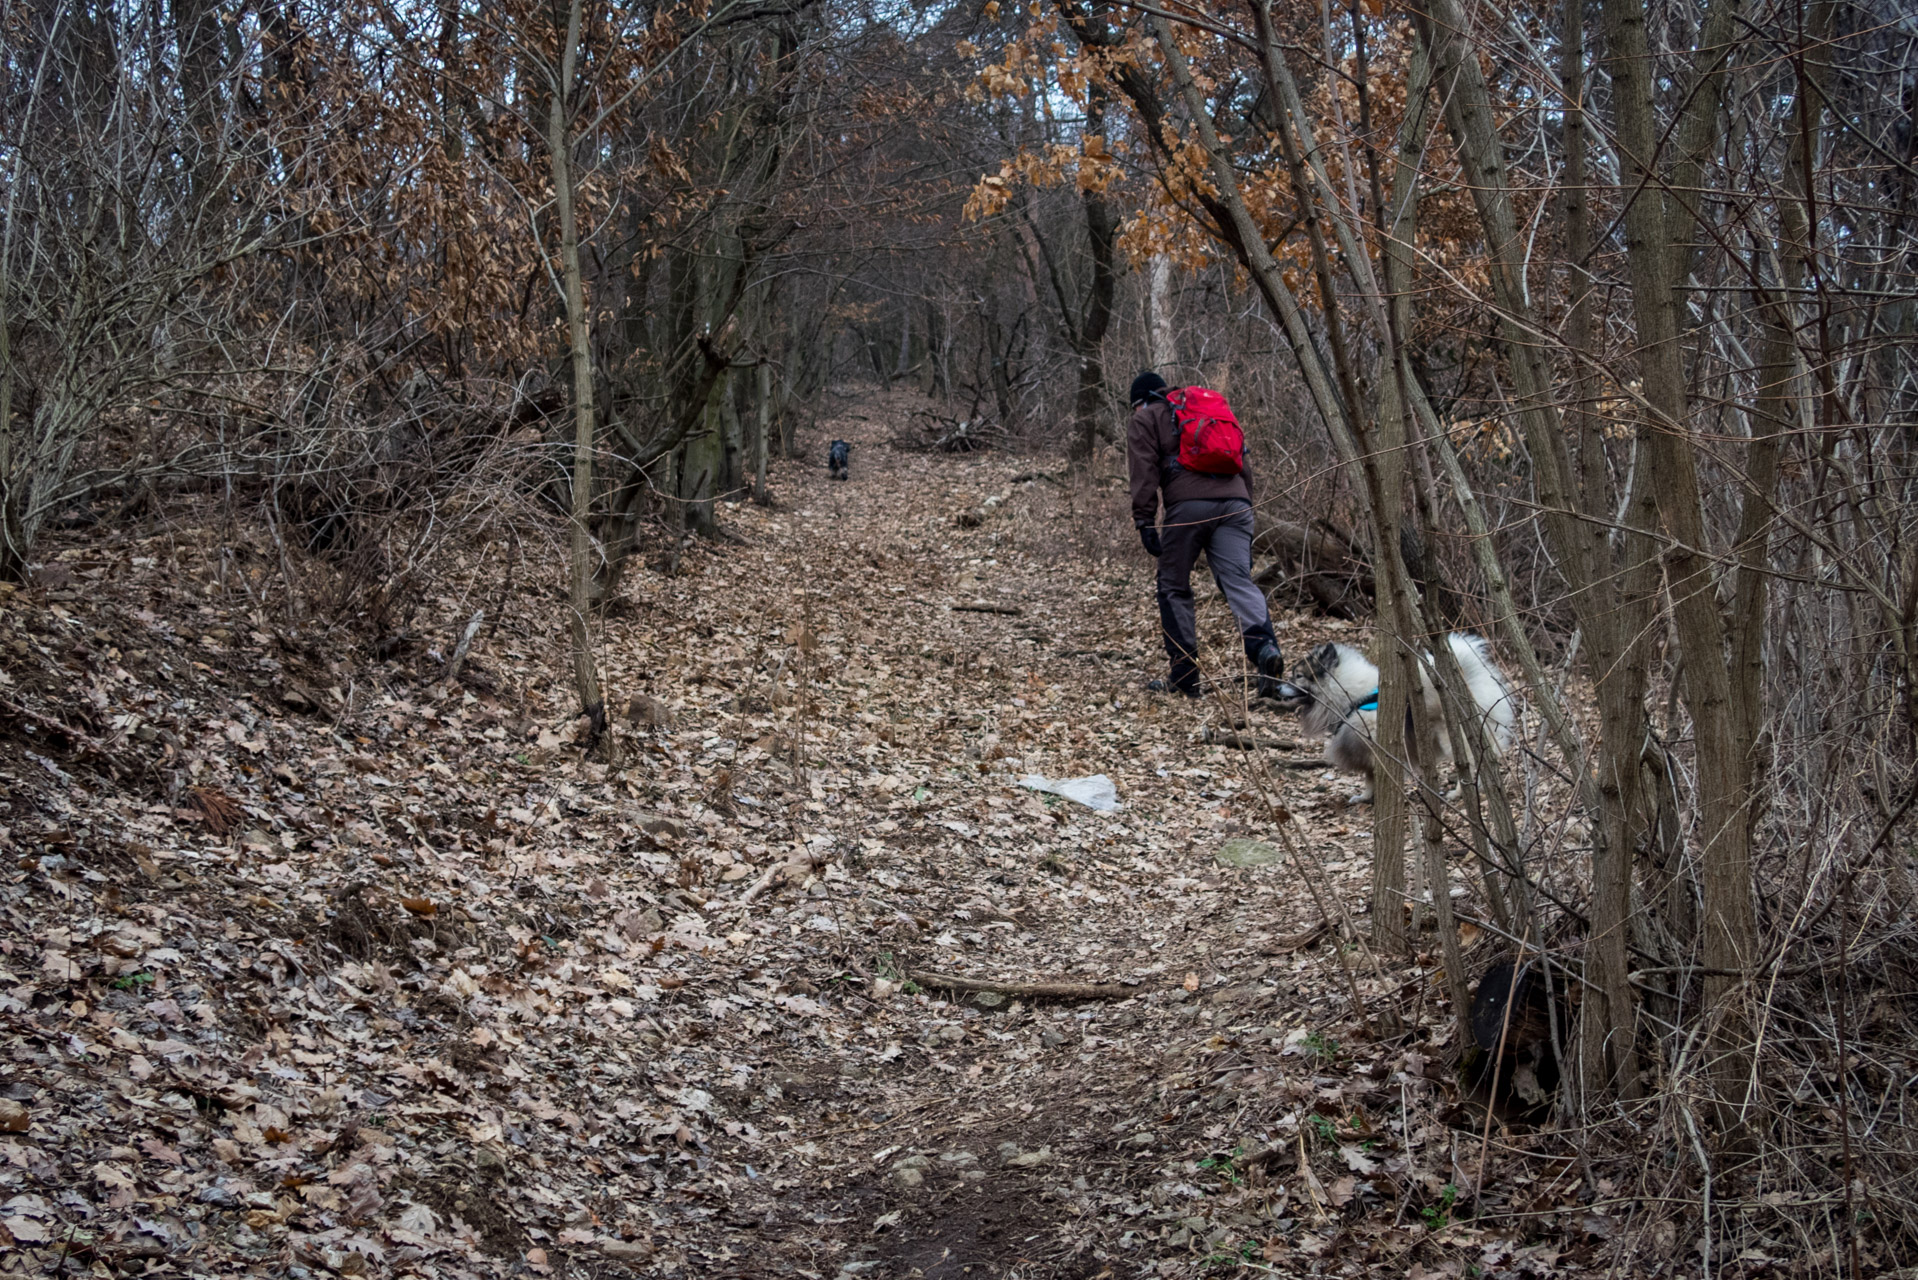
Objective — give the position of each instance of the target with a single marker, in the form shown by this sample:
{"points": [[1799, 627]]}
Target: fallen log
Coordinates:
{"points": [[1030, 990], [1319, 564], [1314, 551], [1331, 592]]}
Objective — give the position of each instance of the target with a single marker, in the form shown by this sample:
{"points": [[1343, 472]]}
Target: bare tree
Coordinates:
{"points": [[103, 248]]}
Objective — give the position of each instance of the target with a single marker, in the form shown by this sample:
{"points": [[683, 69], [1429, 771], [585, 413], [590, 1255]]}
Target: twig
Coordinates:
{"points": [[1844, 1073], [66, 1248], [1705, 1191], [803, 645], [1308, 1179], [1035, 990], [86, 746], [1012, 610]]}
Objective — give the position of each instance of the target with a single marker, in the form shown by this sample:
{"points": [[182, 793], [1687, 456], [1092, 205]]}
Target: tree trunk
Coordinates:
{"points": [[1162, 352], [1382, 477], [1614, 611], [1657, 266], [205, 48], [732, 444], [1089, 405], [932, 373], [998, 344], [1095, 315], [559, 143], [1400, 221], [15, 540], [764, 378], [701, 460], [1608, 1014], [1378, 447]]}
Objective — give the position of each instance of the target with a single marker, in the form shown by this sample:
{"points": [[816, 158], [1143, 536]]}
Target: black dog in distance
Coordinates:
{"points": [[839, 460]]}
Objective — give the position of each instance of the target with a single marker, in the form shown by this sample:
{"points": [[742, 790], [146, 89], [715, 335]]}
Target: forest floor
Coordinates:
{"points": [[315, 964]]}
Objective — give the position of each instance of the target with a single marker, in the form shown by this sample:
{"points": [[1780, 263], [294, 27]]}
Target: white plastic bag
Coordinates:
{"points": [[1095, 792]]}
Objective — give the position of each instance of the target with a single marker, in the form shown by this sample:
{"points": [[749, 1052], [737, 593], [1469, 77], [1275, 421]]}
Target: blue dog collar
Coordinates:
{"points": [[1371, 702]]}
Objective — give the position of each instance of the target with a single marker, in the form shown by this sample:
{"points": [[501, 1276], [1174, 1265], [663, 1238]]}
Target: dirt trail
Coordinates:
{"points": [[314, 964], [937, 1135]]}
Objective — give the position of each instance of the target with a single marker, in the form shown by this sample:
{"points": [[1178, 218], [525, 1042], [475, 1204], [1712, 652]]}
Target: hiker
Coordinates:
{"points": [[1208, 507]]}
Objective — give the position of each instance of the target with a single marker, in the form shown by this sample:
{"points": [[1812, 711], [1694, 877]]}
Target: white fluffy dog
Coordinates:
{"points": [[1337, 694]]}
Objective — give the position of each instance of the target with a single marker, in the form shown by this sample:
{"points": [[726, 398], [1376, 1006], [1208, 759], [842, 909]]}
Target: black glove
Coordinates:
{"points": [[1150, 537]]}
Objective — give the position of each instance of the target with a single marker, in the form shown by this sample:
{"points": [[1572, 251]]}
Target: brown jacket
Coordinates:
{"points": [[1152, 449]]}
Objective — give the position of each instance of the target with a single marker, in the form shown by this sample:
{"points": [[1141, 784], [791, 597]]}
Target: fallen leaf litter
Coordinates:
{"points": [[314, 965]]}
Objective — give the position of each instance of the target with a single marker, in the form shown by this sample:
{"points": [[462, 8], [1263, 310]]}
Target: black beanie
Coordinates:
{"points": [[1145, 386]]}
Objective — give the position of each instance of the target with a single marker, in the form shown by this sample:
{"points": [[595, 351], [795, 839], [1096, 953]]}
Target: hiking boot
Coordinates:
{"points": [[1166, 686], [1271, 664]]}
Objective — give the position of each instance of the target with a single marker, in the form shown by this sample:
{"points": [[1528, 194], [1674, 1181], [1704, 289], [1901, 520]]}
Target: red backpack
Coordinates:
{"points": [[1210, 441]]}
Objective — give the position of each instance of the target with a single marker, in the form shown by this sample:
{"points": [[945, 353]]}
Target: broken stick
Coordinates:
{"points": [[458, 660], [1297, 941], [1012, 610], [1247, 741], [81, 744], [1031, 990], [768, 878], [799, 863]]}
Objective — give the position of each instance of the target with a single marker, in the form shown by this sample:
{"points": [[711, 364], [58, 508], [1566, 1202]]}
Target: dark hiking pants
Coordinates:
{"points": [[1223, 530]]}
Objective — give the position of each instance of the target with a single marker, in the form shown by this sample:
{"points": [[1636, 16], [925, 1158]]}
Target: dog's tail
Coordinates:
{"points": [[1497, 704]]}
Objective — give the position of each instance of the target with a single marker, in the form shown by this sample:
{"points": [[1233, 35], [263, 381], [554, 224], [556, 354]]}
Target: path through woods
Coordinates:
{"points": [[329, 968]]}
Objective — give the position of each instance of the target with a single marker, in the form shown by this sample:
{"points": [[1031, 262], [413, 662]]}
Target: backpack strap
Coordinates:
{"points": [[1169, 462]]}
